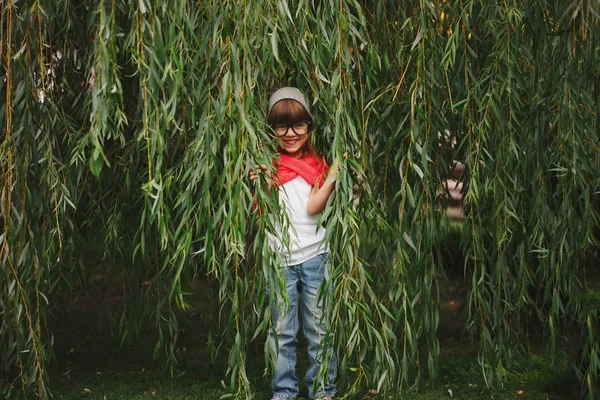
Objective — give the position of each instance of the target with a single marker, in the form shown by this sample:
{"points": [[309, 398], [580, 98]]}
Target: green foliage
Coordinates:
{"points": [[131, 125]]}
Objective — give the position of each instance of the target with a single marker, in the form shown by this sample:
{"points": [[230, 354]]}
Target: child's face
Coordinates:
{"points": [[291, 143]]}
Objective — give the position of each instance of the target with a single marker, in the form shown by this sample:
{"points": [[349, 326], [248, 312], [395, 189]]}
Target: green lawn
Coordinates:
{"points": [[90, 366], [536, 381]]}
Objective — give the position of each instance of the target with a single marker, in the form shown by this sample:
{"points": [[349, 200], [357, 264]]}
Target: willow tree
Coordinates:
{"points": [[129, 128]]}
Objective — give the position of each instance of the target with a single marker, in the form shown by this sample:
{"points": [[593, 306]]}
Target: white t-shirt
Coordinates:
{"points": [[306, 237]]}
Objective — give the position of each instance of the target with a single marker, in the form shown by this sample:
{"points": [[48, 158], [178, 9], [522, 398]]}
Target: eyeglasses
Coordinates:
{"points": [[300, 128]]}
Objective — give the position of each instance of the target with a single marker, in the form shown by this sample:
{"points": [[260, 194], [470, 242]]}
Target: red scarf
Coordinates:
{"points": [[310, 167]]}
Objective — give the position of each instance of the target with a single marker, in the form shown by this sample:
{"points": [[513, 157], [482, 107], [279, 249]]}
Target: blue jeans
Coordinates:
{"points": [[302, 284]]}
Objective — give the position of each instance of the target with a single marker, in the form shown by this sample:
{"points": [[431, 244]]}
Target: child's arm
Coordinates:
{"points": [[319, 196]]}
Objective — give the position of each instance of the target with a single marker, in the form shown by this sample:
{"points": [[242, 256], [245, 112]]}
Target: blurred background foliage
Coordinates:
{"points": [[129, 128]]}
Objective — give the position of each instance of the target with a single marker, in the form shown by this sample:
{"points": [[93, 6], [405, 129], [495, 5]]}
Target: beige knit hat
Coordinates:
{"points": [[290, 93]]}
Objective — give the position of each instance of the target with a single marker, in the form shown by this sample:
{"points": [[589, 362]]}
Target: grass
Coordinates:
{"points": [[462, 383], [89, 365]]}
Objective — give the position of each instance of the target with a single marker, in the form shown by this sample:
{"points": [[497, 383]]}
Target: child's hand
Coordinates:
{"points": [[335, 166], [258, 169], [333, 170]]}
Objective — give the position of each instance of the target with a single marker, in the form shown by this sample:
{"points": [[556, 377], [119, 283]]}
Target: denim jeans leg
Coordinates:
{"points": [[314, 323], [284, 339]]}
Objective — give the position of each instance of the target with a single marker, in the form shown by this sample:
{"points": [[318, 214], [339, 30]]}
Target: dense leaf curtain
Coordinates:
{"points": [[128, 128]]}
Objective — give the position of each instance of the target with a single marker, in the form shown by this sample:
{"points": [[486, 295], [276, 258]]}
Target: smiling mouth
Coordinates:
{"points": [[290, 142]]}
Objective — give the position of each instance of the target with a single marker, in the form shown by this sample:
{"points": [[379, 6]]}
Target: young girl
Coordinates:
{"points": [[305, 183]]}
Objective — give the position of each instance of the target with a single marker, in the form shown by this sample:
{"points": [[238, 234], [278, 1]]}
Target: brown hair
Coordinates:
{"points": [[287, 111]]}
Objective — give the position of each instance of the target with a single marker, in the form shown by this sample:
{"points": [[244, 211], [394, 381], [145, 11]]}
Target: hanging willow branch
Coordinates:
{"points": [[129, 128]]}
